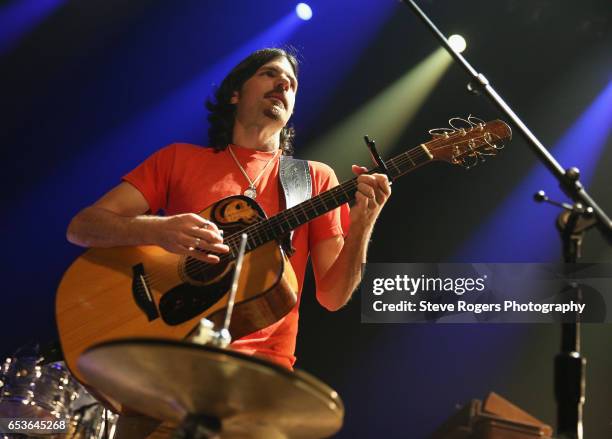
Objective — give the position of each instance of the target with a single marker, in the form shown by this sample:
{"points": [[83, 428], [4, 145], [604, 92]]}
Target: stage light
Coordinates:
{"points": [[303, 11], [457, 42]]}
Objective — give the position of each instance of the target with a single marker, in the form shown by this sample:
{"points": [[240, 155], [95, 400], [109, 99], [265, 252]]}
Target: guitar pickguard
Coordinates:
{"points": [[186, 301]]}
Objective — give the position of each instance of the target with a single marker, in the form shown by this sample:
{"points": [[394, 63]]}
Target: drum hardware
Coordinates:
{"points": [[206, 334], [93, 421], [202, 426]]}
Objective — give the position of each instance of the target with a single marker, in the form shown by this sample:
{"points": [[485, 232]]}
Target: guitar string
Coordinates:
{"points": [[201, 267], [318, 204], [196, 267], [320, 201]]}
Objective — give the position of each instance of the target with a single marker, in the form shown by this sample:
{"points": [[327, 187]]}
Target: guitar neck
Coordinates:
{"points": [[289, 219]]}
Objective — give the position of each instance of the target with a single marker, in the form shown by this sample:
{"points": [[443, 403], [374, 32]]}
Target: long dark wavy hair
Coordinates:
{"points": [[222, 113]]}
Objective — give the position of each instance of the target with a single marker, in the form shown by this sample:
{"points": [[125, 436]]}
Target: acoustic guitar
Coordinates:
{"points": [[145, 291]]}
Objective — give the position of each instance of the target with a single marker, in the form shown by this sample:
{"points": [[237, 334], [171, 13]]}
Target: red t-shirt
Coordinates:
{"points": [[183, 178]]}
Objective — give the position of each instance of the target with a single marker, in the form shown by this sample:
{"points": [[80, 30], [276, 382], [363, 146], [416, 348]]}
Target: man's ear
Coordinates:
{"points": [[234, 98]]}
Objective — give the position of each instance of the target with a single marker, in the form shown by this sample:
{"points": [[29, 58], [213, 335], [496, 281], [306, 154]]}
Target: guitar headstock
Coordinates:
{"points": [[468, 141]]}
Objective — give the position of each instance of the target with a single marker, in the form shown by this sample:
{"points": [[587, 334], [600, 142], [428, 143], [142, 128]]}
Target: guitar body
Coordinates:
{"points": [[145, 291]]}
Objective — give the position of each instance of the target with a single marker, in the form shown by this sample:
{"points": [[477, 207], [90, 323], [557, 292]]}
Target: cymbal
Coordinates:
{"points": [[168, 380]]}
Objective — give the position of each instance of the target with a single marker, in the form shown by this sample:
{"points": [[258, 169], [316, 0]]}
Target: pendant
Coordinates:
{"points": [[251, 192]]}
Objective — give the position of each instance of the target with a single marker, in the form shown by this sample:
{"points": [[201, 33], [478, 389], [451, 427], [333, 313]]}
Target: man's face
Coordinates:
{"points": [[268, 96]]}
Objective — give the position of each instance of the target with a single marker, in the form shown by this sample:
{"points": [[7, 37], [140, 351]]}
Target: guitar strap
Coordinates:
{"points": [[296, 182]]}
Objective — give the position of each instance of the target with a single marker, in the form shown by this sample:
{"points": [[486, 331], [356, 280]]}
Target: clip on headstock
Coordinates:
{"points": [[371, 144]]}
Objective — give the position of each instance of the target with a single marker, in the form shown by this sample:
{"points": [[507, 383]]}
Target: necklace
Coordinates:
{"points": [[251, 191]]}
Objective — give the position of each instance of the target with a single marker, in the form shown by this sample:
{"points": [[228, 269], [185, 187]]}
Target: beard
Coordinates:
{"points": [[274, 112]]}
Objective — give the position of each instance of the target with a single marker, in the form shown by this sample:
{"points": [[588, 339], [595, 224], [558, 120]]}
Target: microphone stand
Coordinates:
{"points": [[569, 413], [570, 365]]}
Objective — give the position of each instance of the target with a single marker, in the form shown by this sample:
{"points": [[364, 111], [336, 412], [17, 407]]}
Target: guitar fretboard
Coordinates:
{"points": [[289, 219]]}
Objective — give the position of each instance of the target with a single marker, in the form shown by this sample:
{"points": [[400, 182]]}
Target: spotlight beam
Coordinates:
{"points": [[383, 118], [159, 125], [531, 235], [22, 16]]}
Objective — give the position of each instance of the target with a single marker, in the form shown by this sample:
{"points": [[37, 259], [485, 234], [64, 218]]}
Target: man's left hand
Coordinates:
{"points": [[373, 191]]}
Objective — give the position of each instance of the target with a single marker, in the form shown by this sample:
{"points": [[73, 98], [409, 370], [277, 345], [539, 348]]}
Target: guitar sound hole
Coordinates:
{"points": [[197, 272]]}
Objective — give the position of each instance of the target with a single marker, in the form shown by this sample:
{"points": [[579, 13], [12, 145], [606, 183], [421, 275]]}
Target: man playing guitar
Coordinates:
{"points": [[248, 133]]}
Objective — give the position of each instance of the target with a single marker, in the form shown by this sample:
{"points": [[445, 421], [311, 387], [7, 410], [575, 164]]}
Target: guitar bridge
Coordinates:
{"points": [[142, 294]]}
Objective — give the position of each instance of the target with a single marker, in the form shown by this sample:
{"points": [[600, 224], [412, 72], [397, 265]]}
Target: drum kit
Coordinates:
{"points": [[199, 387], [35, 386]]}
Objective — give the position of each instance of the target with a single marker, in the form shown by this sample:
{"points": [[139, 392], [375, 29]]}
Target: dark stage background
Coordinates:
{"points": [[89, 89]]}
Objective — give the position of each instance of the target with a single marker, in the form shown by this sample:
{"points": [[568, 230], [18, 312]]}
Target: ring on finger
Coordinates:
{"points": [[197, 242]]}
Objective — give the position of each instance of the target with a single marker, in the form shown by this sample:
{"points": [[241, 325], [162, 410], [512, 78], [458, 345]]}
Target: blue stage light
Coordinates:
{"points": [[303, 11]]}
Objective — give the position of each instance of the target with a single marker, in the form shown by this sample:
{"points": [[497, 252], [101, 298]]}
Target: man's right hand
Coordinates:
{"points": [[118, 218], [189, 234]]}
